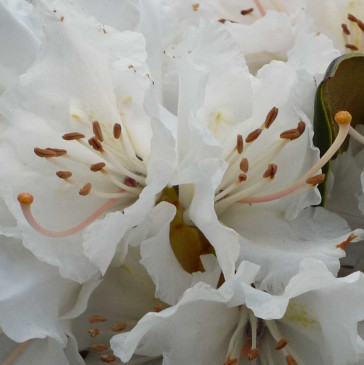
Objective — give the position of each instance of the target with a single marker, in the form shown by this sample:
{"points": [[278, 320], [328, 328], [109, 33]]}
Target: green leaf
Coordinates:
{"points": [[341, 89]]}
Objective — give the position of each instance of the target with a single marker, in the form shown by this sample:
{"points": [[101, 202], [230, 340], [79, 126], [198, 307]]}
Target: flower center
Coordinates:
{"points": [[250, 334], [114, 157], [353, 33], [245, 178]]}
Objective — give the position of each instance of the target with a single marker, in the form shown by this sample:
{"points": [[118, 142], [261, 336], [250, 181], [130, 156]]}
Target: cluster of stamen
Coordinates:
{"points": [[353, 33], [117, 162], [102, 348], [249, 332], [258, 11], [242, 179]]}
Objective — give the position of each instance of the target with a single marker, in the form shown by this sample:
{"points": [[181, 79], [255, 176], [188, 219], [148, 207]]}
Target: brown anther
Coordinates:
{"points": [[25, 198], [290, 134], [343, 117], [239, 143], [85, 190], [242, 177], [97, 318], [231, 362], [342, 245], [282, 343], [316, 180], [130, 66], [97, 166], [73, 135], [195, 7], [62, 18], [244, 165], [271, 117], [301, 127], [360, 25], [253, 135], [117, 130], [223, 21], [129, 181], [352, 18], [353, 47], [42, 152], [345, 29], [158, 307], [95, 144], [96, 128], [247, 11], [58, 151], [99, 347], [253, 354], [270, 171], [119, 327], [64, 174], [290, 360], [107, 358], [93, 332]]}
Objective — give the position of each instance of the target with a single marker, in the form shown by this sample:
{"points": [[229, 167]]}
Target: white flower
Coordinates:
{"points": [[56, 320], [313, 322], [90, 82], [239, 137], [341, 20]]}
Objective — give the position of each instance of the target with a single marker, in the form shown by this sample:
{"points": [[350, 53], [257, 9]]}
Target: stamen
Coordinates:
{"points": [[290, 360], [282, 343], [117, 130], [253, 354], [351, 46], [119, 327], [342, 245], [290, 134], [270, 171], [97, 131], [352, 18], [93, 331], [26, 199], [316, 180], [59, 152], [260, 7], [244, 165], [247, 11], [64, 174], [85, 190], [73, 136], [253, 135], [158, 307], [42, 152], [343, 118], [242, 177], [130, 182], [97, 318], [231, 362], [99, 347], [95, 144], [356, 135], [345, 29], [108, 358], [271, 117], [97, 166], [301, 127], [18, 350], [239, 143]]}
